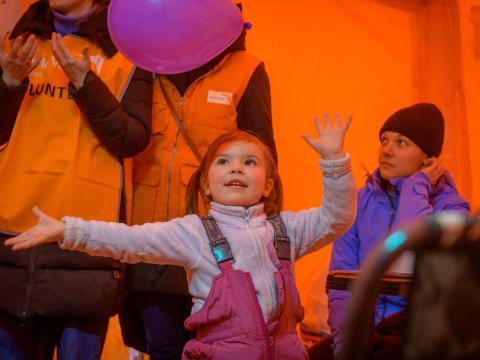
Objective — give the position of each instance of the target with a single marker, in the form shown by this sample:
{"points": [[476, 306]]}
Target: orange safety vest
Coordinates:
{"points": [[53, 158], [208, 109]]}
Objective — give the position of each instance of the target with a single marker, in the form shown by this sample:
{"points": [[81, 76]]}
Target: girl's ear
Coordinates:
{"points": [[268, 187], [205, 186]]}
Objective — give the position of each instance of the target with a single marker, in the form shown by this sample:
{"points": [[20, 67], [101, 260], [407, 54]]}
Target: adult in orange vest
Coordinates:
{"points": [[69, 115], [231, 91]]}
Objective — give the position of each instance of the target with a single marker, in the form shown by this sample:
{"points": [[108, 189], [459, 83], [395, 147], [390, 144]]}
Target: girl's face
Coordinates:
{"points": [[238, 175], [71, 8], [398, 156]]}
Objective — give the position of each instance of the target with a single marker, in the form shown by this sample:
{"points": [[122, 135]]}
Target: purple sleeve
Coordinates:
{"points": [[446, 197], [418, 198], [414, 201]]}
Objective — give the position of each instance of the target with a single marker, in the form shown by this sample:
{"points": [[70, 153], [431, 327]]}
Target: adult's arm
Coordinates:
{"points": [[123, 127], [445, 196], [418, 198], [10, 101], [254, 110]]}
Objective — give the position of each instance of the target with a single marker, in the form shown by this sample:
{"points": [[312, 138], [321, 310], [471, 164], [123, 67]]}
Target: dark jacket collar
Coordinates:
{"points": [[38, 19]]}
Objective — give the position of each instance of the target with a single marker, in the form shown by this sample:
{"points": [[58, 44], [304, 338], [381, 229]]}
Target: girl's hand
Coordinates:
{"points": [[75, 70], [48, 230], [329, 143], [20, 61], [434, 169]]}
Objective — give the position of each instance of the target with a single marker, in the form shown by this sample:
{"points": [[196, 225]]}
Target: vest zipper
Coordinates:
{"points": [[271, 343], [169, 181], [29, 286], [392, 213], [120, 196], [176, 140]]}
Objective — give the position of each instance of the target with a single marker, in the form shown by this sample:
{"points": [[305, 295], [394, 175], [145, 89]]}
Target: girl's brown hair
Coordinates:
{"points": [[197, 201]]}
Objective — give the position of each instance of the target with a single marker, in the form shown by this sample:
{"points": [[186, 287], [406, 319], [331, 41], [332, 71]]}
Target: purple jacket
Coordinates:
{"points": [[377, 214]]}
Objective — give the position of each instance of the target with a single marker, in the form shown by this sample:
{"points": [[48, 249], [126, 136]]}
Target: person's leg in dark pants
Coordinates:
{"points": [[26, 341], [322, 350], [82, 339], [163, 316]]}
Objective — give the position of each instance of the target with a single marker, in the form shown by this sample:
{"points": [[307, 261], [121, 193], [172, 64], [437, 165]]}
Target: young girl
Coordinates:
{"points": [[238, 262]]}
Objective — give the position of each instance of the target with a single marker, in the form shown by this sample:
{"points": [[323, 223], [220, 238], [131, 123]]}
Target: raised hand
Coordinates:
{"points": [[75, 70], [329, 143], [433, 168], [47, 230], [19, 62]]}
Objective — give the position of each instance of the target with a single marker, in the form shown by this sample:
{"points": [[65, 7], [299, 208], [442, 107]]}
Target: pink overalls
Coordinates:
{"points": [[230, 325]]}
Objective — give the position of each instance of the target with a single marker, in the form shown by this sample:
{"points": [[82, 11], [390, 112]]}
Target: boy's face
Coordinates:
{"points": [[399, 156], [238, 175]]}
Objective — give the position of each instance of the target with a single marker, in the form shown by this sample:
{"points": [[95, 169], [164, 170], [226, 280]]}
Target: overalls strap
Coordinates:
{"points": [[281, 240], [218, 243]]}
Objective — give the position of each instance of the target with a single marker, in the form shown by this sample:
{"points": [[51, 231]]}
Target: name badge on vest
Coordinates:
{"points": [[219, 97]]}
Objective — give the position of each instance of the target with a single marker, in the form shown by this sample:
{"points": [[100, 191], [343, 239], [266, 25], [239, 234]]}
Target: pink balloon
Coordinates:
{"points": [[173, 36]]}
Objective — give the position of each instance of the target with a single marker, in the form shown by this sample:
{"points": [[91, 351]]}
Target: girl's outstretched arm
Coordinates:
{"points": [[47, 230], [176, 242]]}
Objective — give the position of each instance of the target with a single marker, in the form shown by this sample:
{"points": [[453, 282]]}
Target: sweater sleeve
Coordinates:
{"points": [[254, 111], [176, 242], [123, 127], [10, 101], [312, 229]]}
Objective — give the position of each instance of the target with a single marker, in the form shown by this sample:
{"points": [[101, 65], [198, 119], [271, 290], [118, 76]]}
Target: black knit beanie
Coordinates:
{"points": [[422, 123]]}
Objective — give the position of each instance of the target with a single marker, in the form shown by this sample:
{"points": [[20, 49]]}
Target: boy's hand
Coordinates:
{"points": [[48, 230], [20, 61], [434, 169], [329, 143]]}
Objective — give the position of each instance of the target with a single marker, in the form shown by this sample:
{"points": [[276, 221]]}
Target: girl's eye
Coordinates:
{"points": [[221, 161], [384, 141], [250, 162], [401, 142]]}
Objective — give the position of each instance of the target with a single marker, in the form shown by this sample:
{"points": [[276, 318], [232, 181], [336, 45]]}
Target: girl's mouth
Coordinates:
{"points": [[236, 183]]}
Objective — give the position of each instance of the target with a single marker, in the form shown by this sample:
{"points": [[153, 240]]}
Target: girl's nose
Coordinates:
{"points": [[237, 167]]}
